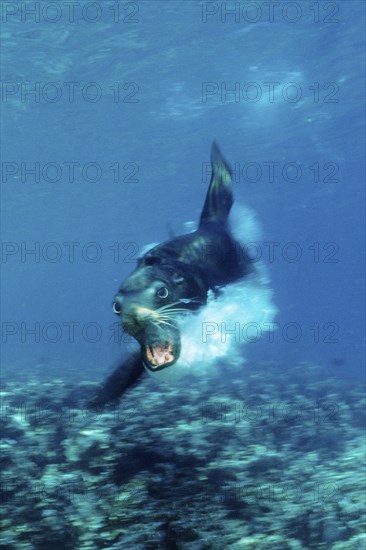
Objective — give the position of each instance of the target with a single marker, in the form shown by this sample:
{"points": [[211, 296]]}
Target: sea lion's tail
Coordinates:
{"points": [[219, 198]]}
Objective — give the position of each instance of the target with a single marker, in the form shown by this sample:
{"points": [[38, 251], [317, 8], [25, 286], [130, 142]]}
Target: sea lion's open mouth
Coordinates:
{"points": [[160, 355], [160, 348]]}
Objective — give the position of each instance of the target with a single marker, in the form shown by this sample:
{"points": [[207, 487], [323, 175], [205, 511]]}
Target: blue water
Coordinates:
{"points": [[109, 110], [159, 129]]}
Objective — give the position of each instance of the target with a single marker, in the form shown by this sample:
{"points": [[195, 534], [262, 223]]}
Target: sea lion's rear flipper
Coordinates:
{"points": [[219, 198]]}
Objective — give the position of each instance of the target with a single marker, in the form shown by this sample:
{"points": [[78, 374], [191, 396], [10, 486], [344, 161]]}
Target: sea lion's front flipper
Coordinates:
{"points": [[124, 376], [219, 198]]}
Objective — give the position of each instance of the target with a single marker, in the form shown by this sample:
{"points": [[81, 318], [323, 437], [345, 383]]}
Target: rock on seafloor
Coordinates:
{"points": [[270, 457]]}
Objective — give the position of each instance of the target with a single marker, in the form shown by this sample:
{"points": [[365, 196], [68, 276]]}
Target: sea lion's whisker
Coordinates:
{"points": [[171, 317], [172, 311], [168, 306], [162, 322]]}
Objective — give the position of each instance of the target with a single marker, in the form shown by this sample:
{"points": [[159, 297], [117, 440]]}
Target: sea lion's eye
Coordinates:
{"points": [[162, 292], [117, 308]]}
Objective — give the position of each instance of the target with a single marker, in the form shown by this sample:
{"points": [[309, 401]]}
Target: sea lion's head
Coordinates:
{"points": [[149, 302]]}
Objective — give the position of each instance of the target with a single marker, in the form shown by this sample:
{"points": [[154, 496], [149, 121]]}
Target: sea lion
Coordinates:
{"points": [[174, 278]]}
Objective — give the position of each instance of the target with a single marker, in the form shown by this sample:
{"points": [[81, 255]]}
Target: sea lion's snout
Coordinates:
{"points": [[134, 317], [158, 336]]}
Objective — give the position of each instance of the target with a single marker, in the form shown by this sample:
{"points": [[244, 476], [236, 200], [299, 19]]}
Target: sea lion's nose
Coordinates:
{"points": [[134, 318]]}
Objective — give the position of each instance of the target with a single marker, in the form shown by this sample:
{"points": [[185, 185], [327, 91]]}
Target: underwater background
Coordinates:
{"points": [[108, 113]]}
